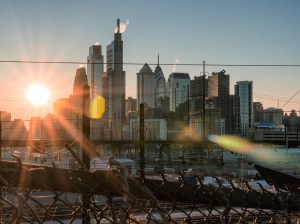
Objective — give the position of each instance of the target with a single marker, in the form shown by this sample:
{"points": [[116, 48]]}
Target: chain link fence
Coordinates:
{"points": [[34, 194]]}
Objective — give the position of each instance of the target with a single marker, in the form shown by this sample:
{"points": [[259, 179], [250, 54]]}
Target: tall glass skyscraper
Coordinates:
{"points": [[95, 70], [116, 84], [178, 84], [244, 107]]}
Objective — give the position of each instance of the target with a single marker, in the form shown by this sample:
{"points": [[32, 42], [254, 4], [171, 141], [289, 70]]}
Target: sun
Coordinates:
{"points": [[38, 94]]}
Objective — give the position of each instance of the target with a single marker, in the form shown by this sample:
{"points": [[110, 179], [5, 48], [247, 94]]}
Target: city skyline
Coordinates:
{"points": [[231, 33]]}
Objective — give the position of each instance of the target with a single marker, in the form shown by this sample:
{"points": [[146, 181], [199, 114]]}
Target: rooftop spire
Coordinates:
{"points": [[118, 25], [158, 59]]}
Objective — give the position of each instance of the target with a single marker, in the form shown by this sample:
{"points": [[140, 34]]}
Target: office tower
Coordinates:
{"points": [[218, 88], [116, 85], [179, 84], [80, 81], [130, 104], [76, 99], [161, 91], [76, 103], [95, 70], [146, 83], [257, 112], [105, 95], [244, 107], [196, 93]]}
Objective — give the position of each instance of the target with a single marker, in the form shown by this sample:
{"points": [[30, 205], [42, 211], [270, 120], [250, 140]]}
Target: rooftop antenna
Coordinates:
{"points": [[158, 59], [118, 25]]}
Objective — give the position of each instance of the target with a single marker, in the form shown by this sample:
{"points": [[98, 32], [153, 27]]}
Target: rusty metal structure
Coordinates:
{"points": [[39, 194]]}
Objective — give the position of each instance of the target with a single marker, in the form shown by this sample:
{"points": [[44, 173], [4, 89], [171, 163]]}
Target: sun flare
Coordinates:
{"points": [[38, 94]]}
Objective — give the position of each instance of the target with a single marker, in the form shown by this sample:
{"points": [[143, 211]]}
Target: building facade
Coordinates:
{"points": [[244, 107], [179, 85], [116, 85], [155, 129], [258, 112], [219, 88], [161, 89], [131, 105], [95, 70], [197, 99], [146, 83]]}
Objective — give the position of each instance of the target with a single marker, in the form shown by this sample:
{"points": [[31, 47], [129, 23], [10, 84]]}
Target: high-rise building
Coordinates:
{"points": [[196, 93], [244, 107], [105, 95], [95, 70], [161, 90], [79, 82], [179, 84], [116, 85], [131, 104], [258, 112], [218, 88], [146, 83], [76, 102]]}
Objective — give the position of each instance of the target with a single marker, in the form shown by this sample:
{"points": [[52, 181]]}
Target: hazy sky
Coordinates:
{"points": [[190, 31]]}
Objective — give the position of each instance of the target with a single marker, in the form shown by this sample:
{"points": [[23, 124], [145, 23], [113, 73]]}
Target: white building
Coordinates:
{"points": [[155, 129], [146, 87]]}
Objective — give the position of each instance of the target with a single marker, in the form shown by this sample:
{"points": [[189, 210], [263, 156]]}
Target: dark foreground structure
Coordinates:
{"points": [[38, 194]]}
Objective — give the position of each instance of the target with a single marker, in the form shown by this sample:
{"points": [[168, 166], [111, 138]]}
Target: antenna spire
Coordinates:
{"points": [[118, 25]]}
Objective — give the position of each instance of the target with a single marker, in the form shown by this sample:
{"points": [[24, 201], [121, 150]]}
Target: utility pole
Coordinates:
{"points": [[86, 147], [0, 134], [188, 106], [203, 99], [142, 138]]}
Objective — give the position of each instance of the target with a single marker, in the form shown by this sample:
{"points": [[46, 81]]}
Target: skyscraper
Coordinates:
{"points": [[116, 84], [178, 84], [196, 93], [161, 91], [95, 70], [218, 88], [244, 106], [146, 87]]}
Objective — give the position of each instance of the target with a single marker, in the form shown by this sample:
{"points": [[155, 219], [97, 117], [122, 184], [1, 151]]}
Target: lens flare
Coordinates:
{"points": [[232, 143], [237, 144], [97, 107]]}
